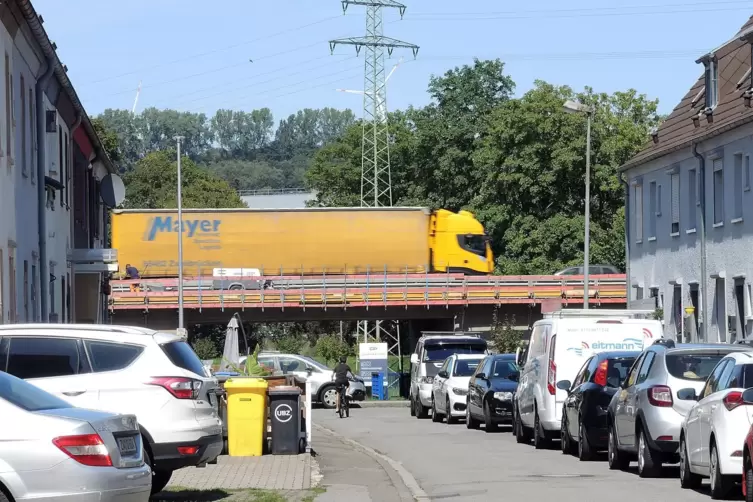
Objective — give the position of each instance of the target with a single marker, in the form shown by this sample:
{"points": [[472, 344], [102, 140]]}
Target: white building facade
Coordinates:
{"points": [[51, 168], [689, 205]]}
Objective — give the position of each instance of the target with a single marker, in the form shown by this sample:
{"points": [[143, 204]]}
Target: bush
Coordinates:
{"points": [[289, 344], [504, 337], [205, 349], [331, 348]]}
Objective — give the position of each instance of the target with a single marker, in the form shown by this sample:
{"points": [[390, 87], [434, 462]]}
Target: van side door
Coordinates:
{"points": [[531, 375]]}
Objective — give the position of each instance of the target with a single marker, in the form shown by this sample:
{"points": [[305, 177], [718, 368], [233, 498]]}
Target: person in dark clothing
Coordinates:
{"points": [[340, 375], [132, 272]]}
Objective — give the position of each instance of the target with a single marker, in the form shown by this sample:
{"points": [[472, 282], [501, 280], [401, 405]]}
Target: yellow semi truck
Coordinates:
{"points": [[315, 241]]}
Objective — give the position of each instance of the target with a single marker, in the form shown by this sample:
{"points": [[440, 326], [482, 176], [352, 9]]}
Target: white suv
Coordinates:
{"points": [[122, 369]]}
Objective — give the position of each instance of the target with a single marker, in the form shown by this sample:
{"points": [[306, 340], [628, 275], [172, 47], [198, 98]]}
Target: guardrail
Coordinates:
{"points": [[417, 290]]}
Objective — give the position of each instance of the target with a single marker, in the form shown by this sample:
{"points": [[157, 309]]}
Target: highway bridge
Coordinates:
{"points": [[311, 298]]}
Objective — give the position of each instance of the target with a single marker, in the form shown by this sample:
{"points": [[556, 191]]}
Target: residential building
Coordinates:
{"points": [[689, 204], [52, 166]]}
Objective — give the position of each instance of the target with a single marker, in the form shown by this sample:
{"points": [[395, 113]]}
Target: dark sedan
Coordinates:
{"points": [[584, 413], [490, 392]]}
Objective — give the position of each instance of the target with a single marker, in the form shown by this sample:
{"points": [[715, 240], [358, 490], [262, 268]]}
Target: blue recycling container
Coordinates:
{"points": [[378, 389]]}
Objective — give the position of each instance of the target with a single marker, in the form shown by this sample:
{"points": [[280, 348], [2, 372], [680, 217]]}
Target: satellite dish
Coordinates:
{"points": [[112, 190]]}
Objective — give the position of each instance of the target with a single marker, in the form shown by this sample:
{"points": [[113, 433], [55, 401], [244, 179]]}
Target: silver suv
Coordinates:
{"points": [[645, 415]]}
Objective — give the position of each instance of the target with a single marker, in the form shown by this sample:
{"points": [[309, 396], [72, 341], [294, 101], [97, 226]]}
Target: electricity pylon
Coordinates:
{"points": [[376, 181]]}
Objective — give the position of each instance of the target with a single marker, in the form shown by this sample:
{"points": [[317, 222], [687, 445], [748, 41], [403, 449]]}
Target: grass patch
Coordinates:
{"points": [[182, 494], [313, 493]]}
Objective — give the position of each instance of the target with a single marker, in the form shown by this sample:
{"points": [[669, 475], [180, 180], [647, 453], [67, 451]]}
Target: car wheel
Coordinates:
{"points": [[748, 481], [721, 485], [421, 410], [470, 422], [540, 441], [521, 435], [649, 465], [489, 424], [329, 397], [565, 443], [448, 413], [617, 459], [160, 478], [412, 407], [687, 478], [585, 452], [435, 417], [3, 498]]}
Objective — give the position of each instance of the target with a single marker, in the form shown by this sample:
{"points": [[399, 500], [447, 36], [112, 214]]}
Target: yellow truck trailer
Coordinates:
{"points": [[311, 241]]}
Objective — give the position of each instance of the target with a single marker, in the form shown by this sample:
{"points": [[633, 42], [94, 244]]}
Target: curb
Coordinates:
{"points": [[384, 404], [406, 477]]}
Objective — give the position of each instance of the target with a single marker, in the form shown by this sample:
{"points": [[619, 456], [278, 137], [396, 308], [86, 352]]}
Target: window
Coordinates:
{"points": [[24, 125], [34, 310], [713, 380], [26, 291], [40, 357], [8, 103], [658, 200], [27, 396], [692, 199], [695, 366], [182, 355], [111, 356], [638, 213], [675, 189], [746, 173], [291, 365], [33, 121], [739, 188], [66, 170], [712, 84], [617, 370], [718, 170], [633, 375], [12, 283], [61, 165], [721, 309], [53, 305], [653, 211], [648, 362]]}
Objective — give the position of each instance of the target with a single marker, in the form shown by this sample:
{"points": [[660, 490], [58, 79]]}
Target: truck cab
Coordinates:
{"points": [[458, 244]]}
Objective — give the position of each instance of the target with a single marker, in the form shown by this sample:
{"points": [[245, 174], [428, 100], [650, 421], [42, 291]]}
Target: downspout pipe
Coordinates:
{"points": [[702, 283], [44, 273], [628, 282]]}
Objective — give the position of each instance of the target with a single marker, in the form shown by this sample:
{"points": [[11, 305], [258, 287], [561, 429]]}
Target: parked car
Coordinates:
{"points": [[51, 450], [585, 429], [450, 387], [748, 450], [429, 356], [713, 432], [490, 392], [560, 344], [645, 416], [322, 387], [122, 369], [592, 270]]}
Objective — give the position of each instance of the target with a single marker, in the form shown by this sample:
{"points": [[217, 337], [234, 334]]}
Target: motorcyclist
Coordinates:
{"points": [[340, 376]]}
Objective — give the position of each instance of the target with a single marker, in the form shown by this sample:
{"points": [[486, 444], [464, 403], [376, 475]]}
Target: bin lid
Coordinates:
{"points": [[284, 390], [241, 383]]}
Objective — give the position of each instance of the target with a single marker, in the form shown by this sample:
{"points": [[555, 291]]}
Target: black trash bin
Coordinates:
{"points": [[285, 412]]}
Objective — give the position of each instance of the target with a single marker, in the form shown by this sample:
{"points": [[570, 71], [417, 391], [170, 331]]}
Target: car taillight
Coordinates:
{"points": [[660, 395], [179, 387], [733, 400], [551, 376], [600, 377], [86, 449]]}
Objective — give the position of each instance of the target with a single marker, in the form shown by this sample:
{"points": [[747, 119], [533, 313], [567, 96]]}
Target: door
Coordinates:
{"points": [[477, 387], [575, 397], [708, 407], [621, 410], [437, 388], [532, 374], [632, 399], [57, 365]]}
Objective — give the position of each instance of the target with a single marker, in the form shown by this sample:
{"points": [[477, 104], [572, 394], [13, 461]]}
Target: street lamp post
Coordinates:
{"points": [[181, 327], [575, 107]]}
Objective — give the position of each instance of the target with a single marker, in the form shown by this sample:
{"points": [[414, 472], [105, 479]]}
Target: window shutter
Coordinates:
{"points": [[639, 212], [675, 198]]}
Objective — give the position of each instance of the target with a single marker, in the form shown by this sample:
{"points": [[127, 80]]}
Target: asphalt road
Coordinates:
{"points": [[450, 462]]}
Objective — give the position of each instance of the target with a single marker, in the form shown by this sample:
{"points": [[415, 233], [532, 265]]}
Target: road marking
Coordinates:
{"points": [[408, 480]]}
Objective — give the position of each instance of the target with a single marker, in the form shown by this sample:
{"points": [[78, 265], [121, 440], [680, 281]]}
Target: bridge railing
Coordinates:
{"points": [[407, 290]]}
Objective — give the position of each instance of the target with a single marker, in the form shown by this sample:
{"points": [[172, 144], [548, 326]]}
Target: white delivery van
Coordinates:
{"points": [[559, 345]]}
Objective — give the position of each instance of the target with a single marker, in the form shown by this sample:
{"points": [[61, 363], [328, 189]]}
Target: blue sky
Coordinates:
{"points": [[194, 58]]}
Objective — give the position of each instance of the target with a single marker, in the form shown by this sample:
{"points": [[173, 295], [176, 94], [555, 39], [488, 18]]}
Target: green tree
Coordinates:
{"points": [[504, 337], [289, 343], [205, 349], [152, 185], [331, 348], [109, 139]]}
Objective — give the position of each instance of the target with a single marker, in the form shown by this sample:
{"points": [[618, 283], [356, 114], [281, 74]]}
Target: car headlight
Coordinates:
{"points": [[503, 396], [459, 391], [427, 379]]}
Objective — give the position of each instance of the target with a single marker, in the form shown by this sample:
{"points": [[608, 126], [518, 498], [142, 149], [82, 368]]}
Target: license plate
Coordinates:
{"points": [[127, 445], [213, 399]]}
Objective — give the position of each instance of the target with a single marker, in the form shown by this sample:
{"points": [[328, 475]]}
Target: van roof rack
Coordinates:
{"points": [[446, 334], [629, 314]]}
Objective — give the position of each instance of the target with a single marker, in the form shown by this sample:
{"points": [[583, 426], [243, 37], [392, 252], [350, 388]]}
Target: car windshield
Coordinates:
{"points": [[437, 352], [504, 369], [696, 366], [27, 396], [465, 367]]}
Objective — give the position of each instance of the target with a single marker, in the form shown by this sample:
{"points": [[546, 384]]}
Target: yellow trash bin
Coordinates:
{"points": [[246, 416]]}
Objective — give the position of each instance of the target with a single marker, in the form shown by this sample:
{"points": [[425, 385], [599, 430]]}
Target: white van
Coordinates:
{"points": [[560, 344]]}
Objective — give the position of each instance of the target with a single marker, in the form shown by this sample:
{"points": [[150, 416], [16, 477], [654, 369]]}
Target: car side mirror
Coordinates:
{"points": [[481, 376], [688, 395], [309, 370], [443, 374], [564, 385], [414, 358], [748, 396], [518, 354]]}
